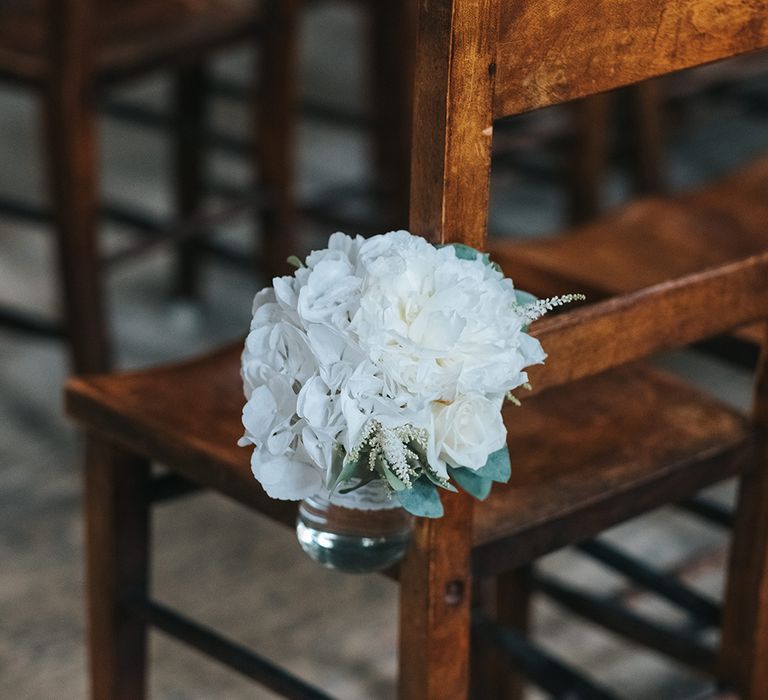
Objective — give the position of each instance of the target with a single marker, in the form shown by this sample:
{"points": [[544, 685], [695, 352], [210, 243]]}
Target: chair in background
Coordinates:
{"points": [[70, 52], [580, 143], [648, 241], [604, 438]]}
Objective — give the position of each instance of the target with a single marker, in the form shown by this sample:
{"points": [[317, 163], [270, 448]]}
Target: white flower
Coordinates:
{"points": [[466, 432], [388, 331], [291, 476], [438, 325]]}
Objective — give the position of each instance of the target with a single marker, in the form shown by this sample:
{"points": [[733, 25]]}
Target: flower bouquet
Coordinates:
{"points": [[374, 377]]}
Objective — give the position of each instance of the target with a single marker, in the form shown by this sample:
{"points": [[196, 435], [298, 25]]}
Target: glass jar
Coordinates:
{"points": [[358, 532]]}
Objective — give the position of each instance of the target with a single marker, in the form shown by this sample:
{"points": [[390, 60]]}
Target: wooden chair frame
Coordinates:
{"points": [[482, 59]]}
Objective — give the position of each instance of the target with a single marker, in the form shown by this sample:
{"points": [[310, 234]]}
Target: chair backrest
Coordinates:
{"points": [[551, 51], [653, 320], [479, 60]]}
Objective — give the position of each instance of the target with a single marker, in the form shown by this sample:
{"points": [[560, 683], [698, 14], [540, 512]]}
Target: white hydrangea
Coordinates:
{"points": [[387, 329]]}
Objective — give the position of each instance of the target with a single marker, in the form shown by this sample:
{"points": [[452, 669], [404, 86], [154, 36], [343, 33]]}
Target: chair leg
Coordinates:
{"points": [[190, 102], [744, 646], [275, 134], [71, 138], [506, 599], [588, 157], [647, 136], [392, 24], [513, 609], [117, 555], [435, 594]]}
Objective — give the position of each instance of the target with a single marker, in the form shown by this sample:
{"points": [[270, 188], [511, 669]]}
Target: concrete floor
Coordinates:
{"points": [[224, 565]]}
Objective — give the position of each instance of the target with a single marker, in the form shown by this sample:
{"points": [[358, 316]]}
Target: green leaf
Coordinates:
{"points": [[421, 499], [345, 473], [367, 478], [392, 479], [465, 252], [498, 467], [472, 482], [438, 481], [524, 298], [337, 462], [295, 260]]}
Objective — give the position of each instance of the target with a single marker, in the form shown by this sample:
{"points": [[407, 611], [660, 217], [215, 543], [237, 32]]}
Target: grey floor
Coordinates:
{"points": [[221, 563]]}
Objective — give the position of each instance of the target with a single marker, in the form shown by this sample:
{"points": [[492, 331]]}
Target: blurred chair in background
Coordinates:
{"points": [[580, 143], [70, 52]]}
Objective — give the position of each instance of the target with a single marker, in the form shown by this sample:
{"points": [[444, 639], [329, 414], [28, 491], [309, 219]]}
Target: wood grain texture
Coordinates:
{"points": [[593, 338], [450, 171], [574, 478], [552, 51], [451, 147], [585, 458], [139, 411], [648, 241], [435, 594], [668, 421]]}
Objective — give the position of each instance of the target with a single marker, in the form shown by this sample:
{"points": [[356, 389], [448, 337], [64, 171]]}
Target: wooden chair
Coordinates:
{"points": [[70, 52], [605, 437]]}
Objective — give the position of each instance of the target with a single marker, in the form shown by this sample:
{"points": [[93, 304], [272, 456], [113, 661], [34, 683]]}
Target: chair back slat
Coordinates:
{"points": [[551, 51], [624, 329]]}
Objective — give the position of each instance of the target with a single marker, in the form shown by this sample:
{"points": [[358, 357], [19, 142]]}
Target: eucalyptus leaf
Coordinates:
{"points": [[498, 467], [392, 479], [437, 481], [428, 472], [421, 499], [472, 482], [367, 478], [337, 463], [524, 298], [465, 252], [347, 471]]}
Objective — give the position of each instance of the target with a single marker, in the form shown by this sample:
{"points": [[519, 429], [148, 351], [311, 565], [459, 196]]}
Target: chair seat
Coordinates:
{"points": [[132, 34], [574, 471], [597, 452], [648, 241]]}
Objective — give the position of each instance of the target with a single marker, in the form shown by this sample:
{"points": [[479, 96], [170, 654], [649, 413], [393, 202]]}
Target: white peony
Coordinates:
{"points": [[389, 332], [466, 431], [440, 326]]}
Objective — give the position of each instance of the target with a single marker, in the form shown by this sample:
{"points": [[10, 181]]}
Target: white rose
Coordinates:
{"points": [[466, 432]]}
